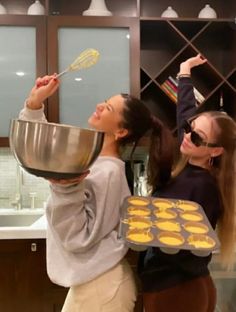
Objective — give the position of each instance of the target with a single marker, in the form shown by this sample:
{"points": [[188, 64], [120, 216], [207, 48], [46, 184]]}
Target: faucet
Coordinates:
{"points": [[17, 202], [33, 197]]}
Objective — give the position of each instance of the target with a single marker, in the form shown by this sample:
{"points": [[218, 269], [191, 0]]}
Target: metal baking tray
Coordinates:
{"points": [[170, 224]]}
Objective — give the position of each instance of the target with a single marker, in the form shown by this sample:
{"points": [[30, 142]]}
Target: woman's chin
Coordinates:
{"points": [[91, 122], [184, 150], [93, 125]]}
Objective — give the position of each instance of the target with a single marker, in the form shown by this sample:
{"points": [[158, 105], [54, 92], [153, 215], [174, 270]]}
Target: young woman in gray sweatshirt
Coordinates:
{"points": [[83, 250]]}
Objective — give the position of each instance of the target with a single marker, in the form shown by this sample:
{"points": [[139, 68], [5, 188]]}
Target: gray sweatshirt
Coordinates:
{"points": [[82, 221]]}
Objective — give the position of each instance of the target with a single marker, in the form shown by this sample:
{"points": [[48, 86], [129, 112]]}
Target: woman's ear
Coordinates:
{"points": [[217, 151], [121, 133]]}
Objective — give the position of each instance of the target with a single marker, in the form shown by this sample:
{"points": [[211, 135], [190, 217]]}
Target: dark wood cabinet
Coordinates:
{"points": [[187, 9], [25, 286], [167, 43], [158, 46]]}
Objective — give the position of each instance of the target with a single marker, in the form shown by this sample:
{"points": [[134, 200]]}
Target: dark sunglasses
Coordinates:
{"points": [[195, 137]]}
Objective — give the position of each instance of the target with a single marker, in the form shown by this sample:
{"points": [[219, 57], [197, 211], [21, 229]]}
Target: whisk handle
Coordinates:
{"points": [[62, 73]]}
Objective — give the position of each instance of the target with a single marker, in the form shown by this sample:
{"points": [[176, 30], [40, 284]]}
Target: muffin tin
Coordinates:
{"points": [[169, 224]]}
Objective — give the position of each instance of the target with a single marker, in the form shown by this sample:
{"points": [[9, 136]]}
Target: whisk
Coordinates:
{"points": [[85, 59]]}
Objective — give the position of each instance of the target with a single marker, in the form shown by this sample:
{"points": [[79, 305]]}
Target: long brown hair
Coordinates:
{"points": [[139, 121], [224, 169]]}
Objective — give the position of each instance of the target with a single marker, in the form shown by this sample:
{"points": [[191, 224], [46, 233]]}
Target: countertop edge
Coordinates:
{"points": [[36, 230]]}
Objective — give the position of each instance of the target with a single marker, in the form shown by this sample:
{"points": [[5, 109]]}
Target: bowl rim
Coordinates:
{"points": [[52, 124]]}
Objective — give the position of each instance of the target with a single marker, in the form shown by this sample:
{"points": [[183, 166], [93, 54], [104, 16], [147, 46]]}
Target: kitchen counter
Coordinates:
{"points": [[36, 230]]}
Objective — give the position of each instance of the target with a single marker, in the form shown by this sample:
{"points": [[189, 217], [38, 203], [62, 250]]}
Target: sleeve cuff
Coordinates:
{"points": [[32, 114]]}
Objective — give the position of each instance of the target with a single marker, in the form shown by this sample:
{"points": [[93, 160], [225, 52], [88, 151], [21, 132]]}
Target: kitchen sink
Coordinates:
{"points": [[19, 218]]}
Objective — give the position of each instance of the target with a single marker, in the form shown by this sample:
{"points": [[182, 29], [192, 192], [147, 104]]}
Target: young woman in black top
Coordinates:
{"points": [[206, 175]]}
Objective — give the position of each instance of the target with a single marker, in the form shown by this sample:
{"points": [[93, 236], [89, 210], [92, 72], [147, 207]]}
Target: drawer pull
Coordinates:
{"points": [[33, 247]]}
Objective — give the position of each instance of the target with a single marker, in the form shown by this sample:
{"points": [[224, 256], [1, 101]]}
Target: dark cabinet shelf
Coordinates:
{"points": [[165, 43], [220, 51], [160, 104], [75, 7], [20, 7], [229, 99], [145, 80], [205, 77], [189, 30], [187, 9], [159, 44], [130, 8], [232, 79]]}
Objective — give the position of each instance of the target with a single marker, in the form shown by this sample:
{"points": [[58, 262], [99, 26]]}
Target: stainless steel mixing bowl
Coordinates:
{"points": [[54, 150]]}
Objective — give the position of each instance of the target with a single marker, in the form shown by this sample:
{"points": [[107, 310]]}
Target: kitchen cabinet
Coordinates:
{"points": [[157, 47], [165, 43], [22, 58], [74, 103], [25, 286]]}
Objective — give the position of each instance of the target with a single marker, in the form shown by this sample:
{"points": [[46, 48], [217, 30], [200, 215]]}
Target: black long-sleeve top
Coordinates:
{"points": [[159, 270]]}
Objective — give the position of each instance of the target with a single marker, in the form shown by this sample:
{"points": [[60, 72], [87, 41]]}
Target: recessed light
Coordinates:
{"points": [[20, 74]]}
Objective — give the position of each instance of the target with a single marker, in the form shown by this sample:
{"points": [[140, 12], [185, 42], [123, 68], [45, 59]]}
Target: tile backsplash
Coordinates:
{"points": [[29, 185]]}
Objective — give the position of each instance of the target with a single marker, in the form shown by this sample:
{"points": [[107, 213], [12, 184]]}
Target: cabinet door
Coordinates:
{"points": [[21, 273], [115, 71], [25, 285], [22, 58]]}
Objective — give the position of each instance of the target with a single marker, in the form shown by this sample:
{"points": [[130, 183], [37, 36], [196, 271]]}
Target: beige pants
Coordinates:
{"points": [[113, 291]]}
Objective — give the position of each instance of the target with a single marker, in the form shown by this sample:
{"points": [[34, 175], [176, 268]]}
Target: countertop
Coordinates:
{"points": [[35, 230]]}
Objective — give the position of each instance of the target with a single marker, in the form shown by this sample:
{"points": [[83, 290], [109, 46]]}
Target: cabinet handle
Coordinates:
{"points": [[33, 247]]}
